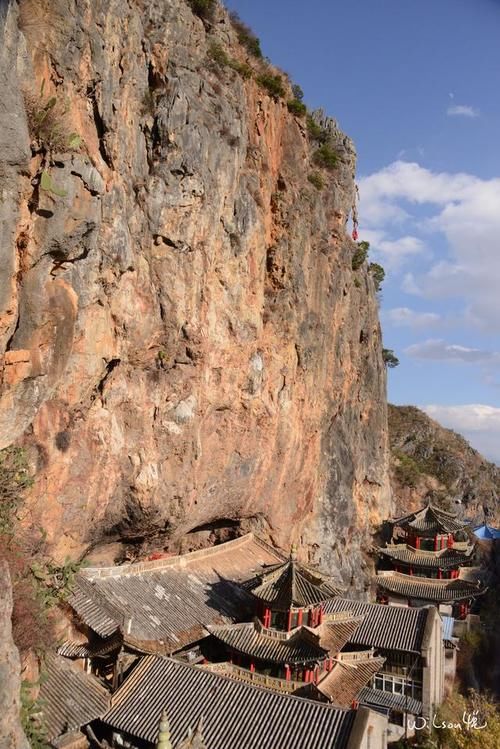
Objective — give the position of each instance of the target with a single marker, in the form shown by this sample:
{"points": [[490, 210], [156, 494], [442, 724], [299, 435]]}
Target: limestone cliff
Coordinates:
{"points": [[429, 461], [185, 345], [11, 734]]}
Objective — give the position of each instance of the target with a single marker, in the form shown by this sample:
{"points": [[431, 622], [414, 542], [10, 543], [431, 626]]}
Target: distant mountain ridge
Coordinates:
{"points": [[431, 462]]}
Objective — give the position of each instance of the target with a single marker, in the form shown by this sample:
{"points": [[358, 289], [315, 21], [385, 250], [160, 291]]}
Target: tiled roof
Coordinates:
{"points": [[343, 683], [91, 649], [426, 589], [235, 714], [443, 559], [431, 519], [378, 698], [335, 633], [165, 604], [70, 698], [247, 639], [384, 627], [291, 584]]}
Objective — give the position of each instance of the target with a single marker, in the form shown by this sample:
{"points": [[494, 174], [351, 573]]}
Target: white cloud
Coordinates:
{"points": [[463, 208], [462, 110], [405, 317], [480, 424], [392, 253], [438, 350]]}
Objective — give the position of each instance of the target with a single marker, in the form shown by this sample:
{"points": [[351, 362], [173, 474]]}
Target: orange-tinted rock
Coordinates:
{"points": [[202, 353]]}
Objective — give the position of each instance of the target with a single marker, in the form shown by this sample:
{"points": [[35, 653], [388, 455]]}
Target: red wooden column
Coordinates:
{"points": [[435, 543], [252, 666], [288, 673], [417, 542], [299, 620], [440, 574]]}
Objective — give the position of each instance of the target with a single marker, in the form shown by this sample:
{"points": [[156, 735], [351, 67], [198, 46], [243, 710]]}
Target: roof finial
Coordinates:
{"points": [[293, 552], [164, 734]]}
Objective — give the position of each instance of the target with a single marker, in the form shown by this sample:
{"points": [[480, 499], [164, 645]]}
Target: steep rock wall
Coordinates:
{"points": [[184, 341], [429, 462]]}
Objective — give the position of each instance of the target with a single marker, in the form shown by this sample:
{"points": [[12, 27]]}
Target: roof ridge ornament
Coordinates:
{"points": [[164, 733]]}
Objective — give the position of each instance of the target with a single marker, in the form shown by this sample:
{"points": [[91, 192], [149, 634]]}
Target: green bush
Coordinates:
{"points": [[378, 274], [297, 92], [241, 68], [325, 157], [245, 35], [203, 8], [218, 55], [48, 122], [316, 179], [316, 132], [15, 478], [407, 469], [360, 255], [297, 107], [390, 358], [273, 84]]}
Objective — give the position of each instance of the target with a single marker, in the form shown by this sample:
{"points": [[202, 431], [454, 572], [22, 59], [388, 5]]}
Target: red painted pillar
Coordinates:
{"points": [[411, 570], [440, 574], [252, 666], [299, 621], [417, 542], [288, 673], [435, 543]]}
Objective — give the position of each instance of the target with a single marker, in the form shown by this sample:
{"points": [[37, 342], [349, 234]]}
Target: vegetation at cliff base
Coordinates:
{"points": [[38, 583]]}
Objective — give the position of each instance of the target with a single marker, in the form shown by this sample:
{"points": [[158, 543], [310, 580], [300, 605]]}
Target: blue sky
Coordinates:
{"points": [[416, 84]]}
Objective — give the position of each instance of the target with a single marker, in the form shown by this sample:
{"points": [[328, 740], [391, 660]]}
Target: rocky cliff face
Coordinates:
{"points": [[185, 345], [11, 734], [431, 462]]}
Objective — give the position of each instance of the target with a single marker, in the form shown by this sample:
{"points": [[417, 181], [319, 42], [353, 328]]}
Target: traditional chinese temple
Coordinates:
{"points": [[291, 639], [427, 561]]}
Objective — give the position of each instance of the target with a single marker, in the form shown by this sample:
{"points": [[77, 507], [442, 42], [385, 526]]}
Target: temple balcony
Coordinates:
{"points": [[252, 677]]}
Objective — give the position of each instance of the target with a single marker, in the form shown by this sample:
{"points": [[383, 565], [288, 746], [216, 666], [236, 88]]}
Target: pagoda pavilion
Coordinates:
{"points": [[426, 560], [291, 641]]}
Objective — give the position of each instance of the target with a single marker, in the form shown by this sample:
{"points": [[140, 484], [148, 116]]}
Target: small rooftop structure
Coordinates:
{"points": [[487, 533], [291, 585], [430, 520], [443, 559], [263, 644], [70, 698], [235, 714], [379, 699], [426, 589]]}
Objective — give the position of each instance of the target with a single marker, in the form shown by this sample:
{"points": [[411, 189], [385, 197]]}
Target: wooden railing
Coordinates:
{"points": [[252, 677], [357, 655]]}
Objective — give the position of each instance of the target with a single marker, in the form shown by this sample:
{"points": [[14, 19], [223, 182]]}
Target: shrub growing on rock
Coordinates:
{"points": [[273, 84], [297, 107], [203, 8], [246, 36], [316, 179], [360, 255], [325, 157]]}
